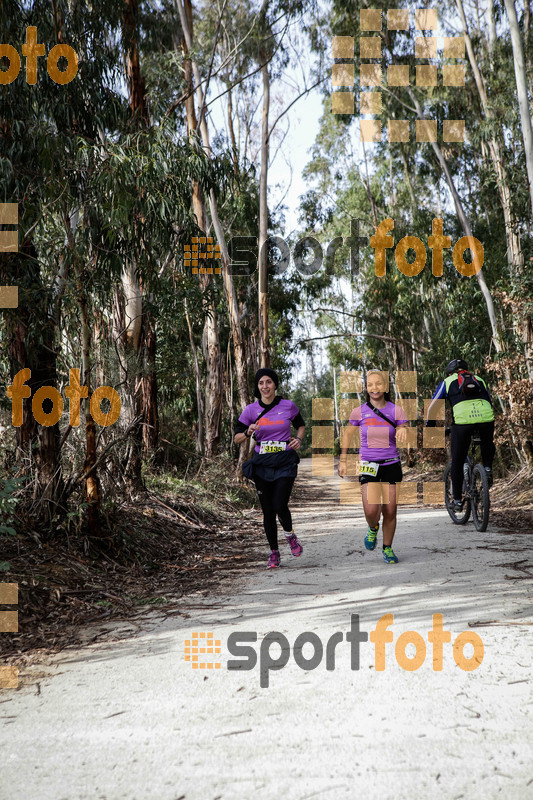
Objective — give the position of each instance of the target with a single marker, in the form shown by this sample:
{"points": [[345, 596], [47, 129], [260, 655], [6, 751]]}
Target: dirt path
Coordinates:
{"points": [[132, 720]]}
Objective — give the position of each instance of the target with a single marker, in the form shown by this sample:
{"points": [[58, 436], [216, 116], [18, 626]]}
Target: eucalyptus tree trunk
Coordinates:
{"points": [[210, 403], [92, 486], [135, 331], [234, 148], [426, 293], [136, 87], [128, 320], [150, 429], [199, 386], [264, 346], [521, 89], [491, 21], [185, 13]]}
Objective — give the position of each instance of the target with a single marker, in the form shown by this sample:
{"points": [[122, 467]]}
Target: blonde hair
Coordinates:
{"points": [[371, 371], [379, 372]]}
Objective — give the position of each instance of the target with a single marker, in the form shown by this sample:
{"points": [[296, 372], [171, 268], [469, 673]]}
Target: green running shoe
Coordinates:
{"points": [[389, 556], [371, 536]]}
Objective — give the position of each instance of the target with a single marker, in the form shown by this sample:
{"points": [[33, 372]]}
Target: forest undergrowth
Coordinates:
{"points": [[178, 537]]}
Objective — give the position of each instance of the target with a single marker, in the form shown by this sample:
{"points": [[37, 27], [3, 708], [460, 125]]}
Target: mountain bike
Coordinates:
{"points": [[476, 498]]}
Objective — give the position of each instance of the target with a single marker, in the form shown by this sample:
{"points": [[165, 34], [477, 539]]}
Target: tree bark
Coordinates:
{"points": [[92, 485], [521, 89], [214, 384], [135, 81], [264, 346], [133, 332], [492, 29], [150, 429], [234, 149], [185, 12], [210, 341], [199, 388]]}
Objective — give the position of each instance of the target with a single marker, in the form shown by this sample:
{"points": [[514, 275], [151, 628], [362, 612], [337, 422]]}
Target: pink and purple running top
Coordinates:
{"points": [[378, 438], [275, 425]]}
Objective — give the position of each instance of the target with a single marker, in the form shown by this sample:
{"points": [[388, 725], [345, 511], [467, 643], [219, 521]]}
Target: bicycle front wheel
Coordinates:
{"points": [[480, 498], [458, 518]]}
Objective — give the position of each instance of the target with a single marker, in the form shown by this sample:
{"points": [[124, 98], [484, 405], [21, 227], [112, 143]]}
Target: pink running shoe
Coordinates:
{"points": [[274, 559], [296, 547]]}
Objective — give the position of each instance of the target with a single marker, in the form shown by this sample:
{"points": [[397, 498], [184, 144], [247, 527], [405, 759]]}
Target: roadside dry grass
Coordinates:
{"points": [[177, 538]]}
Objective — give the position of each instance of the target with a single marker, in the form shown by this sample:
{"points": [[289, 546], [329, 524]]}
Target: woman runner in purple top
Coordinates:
{"points": [[274, 466], [382, 424]]}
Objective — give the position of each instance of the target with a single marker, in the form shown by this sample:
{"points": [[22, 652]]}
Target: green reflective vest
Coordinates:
{"points": [[468, 412]]}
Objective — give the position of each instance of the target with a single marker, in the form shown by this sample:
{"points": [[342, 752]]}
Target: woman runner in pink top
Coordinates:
{"points": [[382, 424]]}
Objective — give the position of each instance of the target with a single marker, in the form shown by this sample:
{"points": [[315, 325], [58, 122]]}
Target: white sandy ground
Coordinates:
{"points": [[131, 719]]}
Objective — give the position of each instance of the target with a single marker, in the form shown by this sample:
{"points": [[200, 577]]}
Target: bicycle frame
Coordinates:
{"points": [[476, 490]]}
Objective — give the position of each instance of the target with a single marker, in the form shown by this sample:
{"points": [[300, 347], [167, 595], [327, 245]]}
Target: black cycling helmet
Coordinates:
{"points": [[456, 365]]}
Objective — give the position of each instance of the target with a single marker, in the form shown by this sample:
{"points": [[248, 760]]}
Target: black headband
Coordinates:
{"points": [[261, 374]]}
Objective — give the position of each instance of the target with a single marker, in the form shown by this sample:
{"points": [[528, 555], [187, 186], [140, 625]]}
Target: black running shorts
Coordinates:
{"points": [[387, 473]]}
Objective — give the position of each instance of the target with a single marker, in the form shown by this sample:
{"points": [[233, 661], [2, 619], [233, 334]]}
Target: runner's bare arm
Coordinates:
{"points": [[348, 438], [401, 433], [239, 438], [295, 442]]}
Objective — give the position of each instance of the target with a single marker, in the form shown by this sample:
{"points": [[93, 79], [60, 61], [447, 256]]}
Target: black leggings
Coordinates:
{"points": [[460, 442], [274, 497]]}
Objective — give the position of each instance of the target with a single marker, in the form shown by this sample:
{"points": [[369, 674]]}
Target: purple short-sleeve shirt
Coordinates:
{"points": [[275, 425], [378, 438]]}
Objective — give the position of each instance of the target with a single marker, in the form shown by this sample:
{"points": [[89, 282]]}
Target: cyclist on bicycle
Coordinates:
{"points": [[472, 412]]}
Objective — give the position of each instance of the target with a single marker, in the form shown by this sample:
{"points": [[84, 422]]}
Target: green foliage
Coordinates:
{"points": [[421, 322]]}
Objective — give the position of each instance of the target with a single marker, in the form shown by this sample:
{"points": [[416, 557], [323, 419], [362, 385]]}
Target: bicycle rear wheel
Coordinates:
{"points": [[463, 517], [480, 498]]}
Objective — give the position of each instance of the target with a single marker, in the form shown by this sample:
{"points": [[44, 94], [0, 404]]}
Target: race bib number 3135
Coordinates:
{"points": [[272, 447]]}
